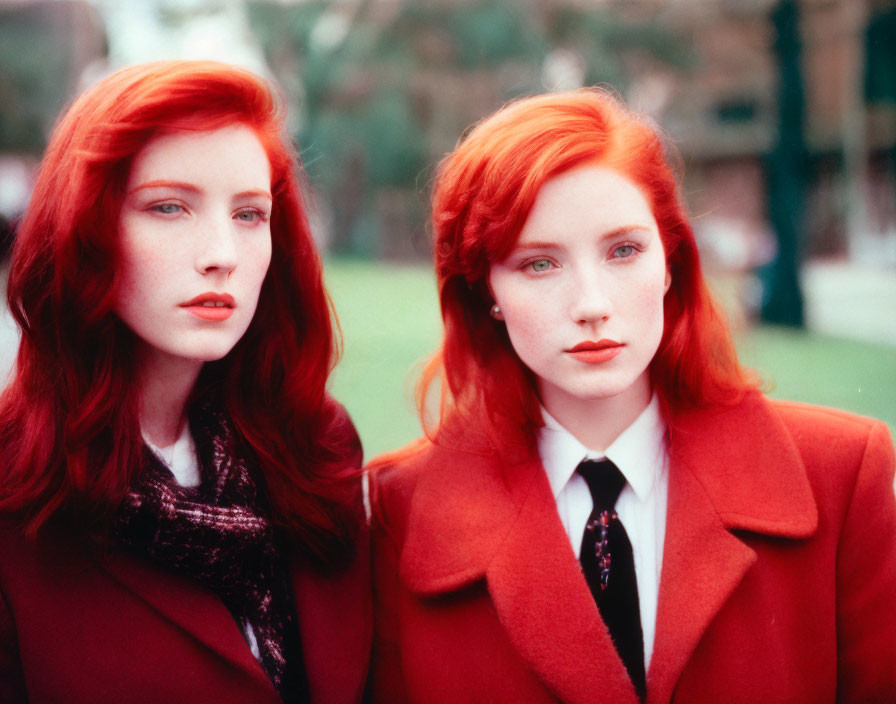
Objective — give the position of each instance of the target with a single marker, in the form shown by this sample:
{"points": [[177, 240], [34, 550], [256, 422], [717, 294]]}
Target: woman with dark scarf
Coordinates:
{"points": [[179, 515]]}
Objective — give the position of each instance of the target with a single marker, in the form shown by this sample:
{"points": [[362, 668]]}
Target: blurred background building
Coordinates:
{"points": [[784, 112]]}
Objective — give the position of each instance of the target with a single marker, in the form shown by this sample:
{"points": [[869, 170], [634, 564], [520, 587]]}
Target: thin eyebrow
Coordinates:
{"points": [[189, 187], [535, 245], [255, 192], [624, 230], [610, 234], [179, 185]]}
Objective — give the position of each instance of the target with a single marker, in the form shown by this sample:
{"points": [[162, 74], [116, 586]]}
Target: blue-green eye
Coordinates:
{"points": [[250, 215], [167, 208], [624, 251], [541, 265]]}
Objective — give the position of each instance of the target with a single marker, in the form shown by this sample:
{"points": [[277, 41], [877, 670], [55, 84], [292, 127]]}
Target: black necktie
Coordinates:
{"points": [[609, 567]]}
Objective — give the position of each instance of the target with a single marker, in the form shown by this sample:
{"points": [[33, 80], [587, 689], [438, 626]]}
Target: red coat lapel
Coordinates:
{"points": [[544, 604], [333, 613], [730, 469], [197, 611], [470, 520]]}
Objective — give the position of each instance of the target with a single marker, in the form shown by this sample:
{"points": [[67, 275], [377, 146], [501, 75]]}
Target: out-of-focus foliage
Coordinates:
{"points": [[603, 40], [33, 79], [490, 33], [383, 95]]}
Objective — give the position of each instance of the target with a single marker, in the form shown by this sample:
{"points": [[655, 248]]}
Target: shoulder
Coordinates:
{"points": [[422, 471], [339, 435], [842, 454], [769, 448], [394, 477], [28, 565], [757, 420], [806, 418], [829, 436]]}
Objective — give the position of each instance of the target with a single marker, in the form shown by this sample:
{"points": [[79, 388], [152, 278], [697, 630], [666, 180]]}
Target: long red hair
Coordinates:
{"points": [[484, 191], [69, 431]]}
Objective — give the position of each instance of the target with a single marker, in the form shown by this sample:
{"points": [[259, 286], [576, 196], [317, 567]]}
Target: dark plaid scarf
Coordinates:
{"points": [[219, 534]]}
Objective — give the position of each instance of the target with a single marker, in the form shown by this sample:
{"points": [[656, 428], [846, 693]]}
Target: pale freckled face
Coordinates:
{"points": [[195, 241], [582, 292]]}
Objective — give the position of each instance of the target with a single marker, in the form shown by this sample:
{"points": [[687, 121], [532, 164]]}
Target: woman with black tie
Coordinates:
{"points": [[606, 508]]}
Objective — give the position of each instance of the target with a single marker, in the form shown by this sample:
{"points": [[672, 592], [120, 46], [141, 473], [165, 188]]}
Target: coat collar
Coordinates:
{"points": [[194, 609], [333, 613], [731, 469]]}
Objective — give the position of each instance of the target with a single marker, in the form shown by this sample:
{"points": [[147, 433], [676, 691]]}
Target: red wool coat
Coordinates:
{"points": [[778, 580], [77, 628], [81, 627]]}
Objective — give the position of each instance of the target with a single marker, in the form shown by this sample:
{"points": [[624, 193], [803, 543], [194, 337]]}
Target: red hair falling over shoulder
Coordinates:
{"points": [[484, 191], [69, 430]]}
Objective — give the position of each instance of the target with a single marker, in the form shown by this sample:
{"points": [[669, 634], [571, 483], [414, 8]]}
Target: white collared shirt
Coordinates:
{"points": [[640, 453], [179, 457]]}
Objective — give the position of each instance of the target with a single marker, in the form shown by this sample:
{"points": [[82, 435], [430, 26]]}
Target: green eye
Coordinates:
{"points": [[251, 215], [540, 265], [624, 251], [167, 208]]}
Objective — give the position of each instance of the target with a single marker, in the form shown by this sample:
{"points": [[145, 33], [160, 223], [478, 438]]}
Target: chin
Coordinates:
{"points": [[601, 392], [211, 349], [211, 353], [214, 356], [600, 395]]}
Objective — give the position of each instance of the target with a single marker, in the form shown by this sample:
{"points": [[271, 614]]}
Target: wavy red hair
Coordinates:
{"points": [[69, 432], [484, 191]]}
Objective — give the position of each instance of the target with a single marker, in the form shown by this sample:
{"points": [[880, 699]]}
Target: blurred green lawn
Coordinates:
{"points": [[390, 323]]}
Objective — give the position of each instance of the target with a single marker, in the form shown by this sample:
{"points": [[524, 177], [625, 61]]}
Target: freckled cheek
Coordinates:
{"points": [[144, 261], [261, 264], [146, 272], [265, 264], [651, 297], [530, 324], [530, 305], [648, 305]]}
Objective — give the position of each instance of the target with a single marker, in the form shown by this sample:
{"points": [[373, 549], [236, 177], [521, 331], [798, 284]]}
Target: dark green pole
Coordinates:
{"points": [[785, 175]]}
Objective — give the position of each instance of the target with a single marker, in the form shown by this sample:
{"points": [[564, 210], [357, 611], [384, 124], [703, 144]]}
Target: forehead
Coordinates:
{"points": [[231, 153], [587, 199]]}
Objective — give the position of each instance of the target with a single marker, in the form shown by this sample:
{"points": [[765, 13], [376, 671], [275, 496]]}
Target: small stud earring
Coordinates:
{"points": [[496, 313]]}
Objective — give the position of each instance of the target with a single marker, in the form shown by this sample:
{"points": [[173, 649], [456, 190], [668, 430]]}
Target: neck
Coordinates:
{"points": [[165, 385], [596, 423]]}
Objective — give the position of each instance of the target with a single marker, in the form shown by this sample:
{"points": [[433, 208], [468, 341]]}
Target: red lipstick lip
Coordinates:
{"points": [[224, 298], [596, 352], [589, 346]]}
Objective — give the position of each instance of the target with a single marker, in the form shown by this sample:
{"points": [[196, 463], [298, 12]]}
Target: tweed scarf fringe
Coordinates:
{"points": [[219, 533]]}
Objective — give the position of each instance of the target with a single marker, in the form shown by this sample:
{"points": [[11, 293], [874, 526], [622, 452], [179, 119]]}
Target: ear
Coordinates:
{"points": [[668, 282]]}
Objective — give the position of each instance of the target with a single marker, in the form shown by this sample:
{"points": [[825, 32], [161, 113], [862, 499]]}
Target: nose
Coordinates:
{"points": [[590, 299], [217, 252]]}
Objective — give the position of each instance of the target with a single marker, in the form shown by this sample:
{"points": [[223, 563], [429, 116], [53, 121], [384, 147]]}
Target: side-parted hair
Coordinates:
{"points": [[69, 430], [484, 191]]}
